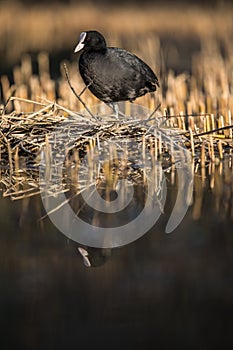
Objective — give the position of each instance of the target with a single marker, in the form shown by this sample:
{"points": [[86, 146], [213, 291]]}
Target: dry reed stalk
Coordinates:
{"points": [[208, 127], [203, 156], [5, 87], [16, 161], [191, 122], [192, 142], [220, 122], [212, 121], [159, 146], [156, 151], [230, 123], [220, 149], [211, 149]]}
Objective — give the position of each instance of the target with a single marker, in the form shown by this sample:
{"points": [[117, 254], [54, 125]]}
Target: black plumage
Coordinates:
{"points": [[113, 74]]}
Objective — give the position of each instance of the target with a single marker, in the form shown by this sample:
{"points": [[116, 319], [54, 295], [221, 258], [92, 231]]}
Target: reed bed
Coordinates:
{"points": [[197, 106]]}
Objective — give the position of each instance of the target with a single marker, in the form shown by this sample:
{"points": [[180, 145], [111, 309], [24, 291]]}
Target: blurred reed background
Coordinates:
{"points": [[54, 27]]}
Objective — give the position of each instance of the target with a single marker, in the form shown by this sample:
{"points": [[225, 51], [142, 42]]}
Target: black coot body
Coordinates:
{"points": [[113, 74]]}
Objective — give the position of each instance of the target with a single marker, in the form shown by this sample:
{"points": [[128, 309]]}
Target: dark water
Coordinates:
{"points": [[162, 291]]}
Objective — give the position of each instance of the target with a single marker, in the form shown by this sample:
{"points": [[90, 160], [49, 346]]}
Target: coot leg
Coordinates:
{"points": [[116, 110], [115, 107]]}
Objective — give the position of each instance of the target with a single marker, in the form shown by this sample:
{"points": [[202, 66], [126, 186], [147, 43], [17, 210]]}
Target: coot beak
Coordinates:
{"points": [[81, 44]]}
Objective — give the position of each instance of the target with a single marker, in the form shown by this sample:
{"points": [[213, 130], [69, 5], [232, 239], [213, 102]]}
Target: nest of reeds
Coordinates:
{"points": [[26, 137]]}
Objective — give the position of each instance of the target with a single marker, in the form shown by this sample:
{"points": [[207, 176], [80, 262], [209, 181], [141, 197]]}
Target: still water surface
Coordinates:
{"points": [[163, 289]]}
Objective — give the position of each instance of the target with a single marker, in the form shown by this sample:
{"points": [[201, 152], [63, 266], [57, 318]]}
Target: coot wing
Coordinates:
{"points": [[133, 64]]}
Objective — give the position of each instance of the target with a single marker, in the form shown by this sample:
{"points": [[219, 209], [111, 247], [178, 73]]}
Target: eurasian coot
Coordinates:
{"points": [[112, 74]]}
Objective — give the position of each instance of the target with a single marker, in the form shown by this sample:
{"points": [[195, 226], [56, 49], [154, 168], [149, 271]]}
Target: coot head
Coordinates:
{"points": [[91, 40]]}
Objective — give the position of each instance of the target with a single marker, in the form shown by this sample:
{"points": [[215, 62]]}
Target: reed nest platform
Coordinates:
{"points": [[23, 135], [25, 140]]}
